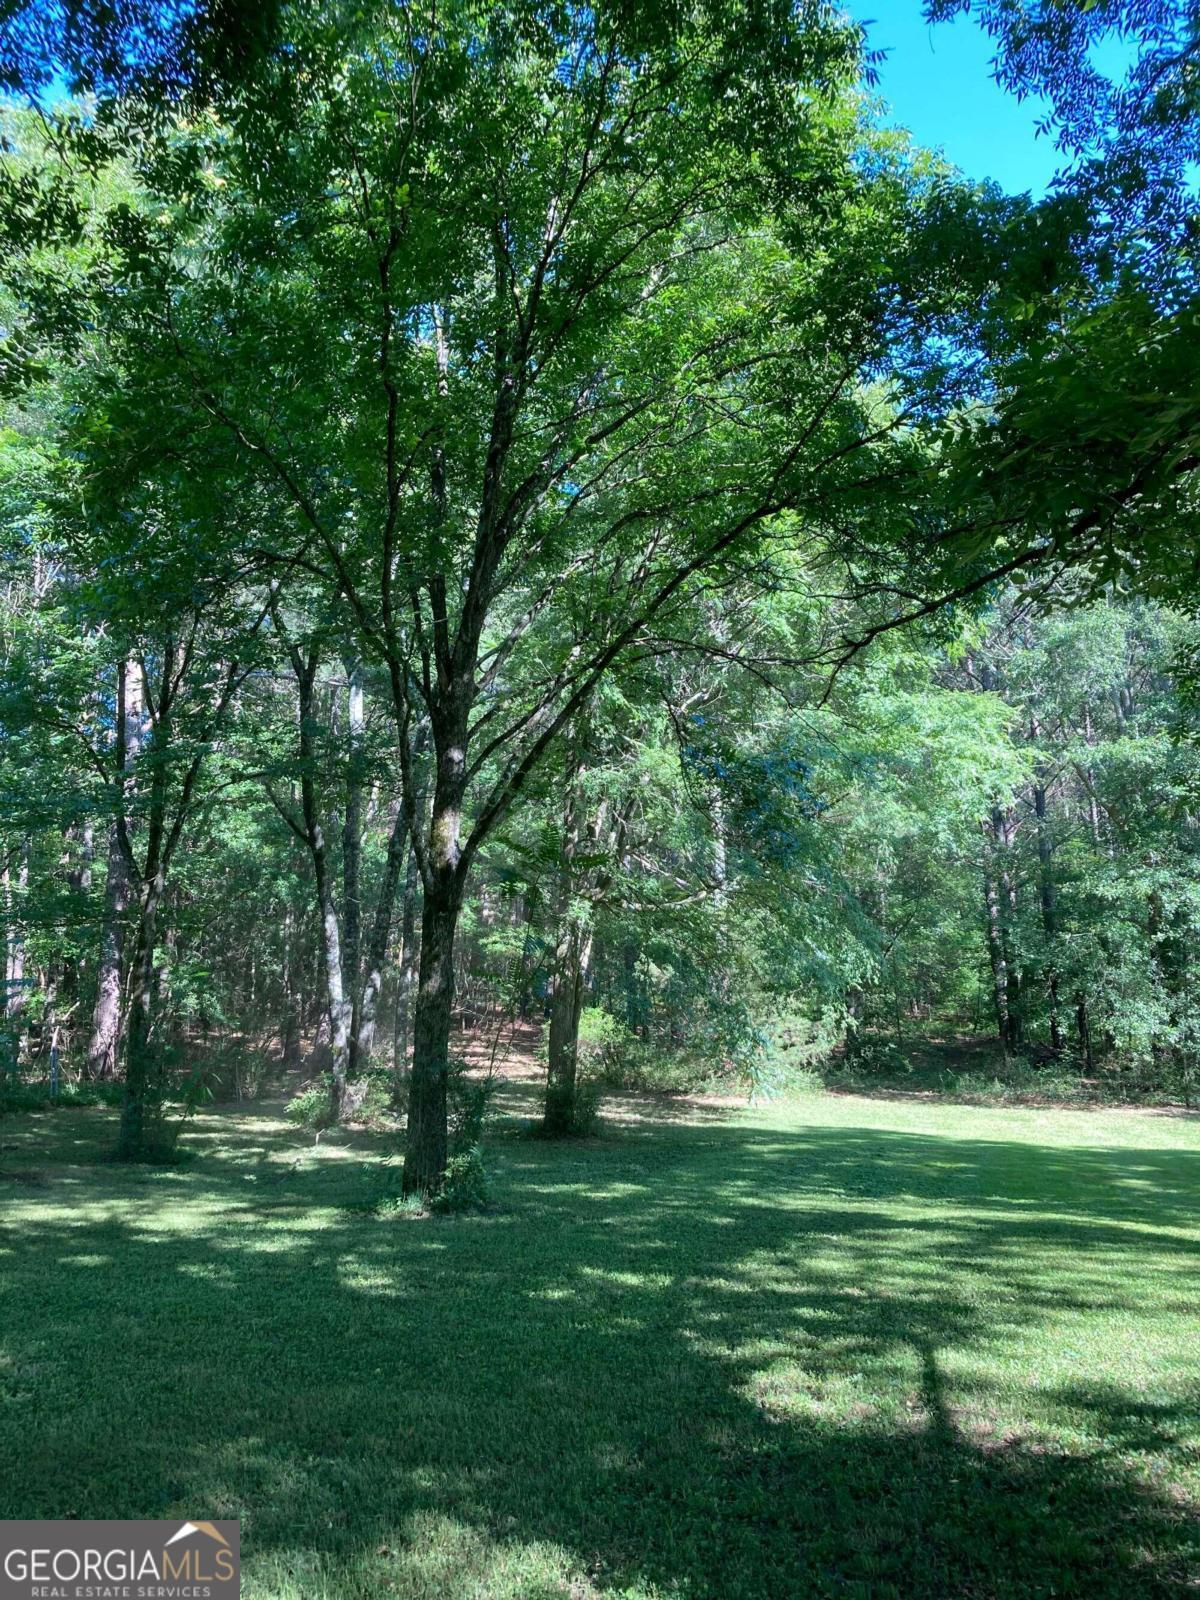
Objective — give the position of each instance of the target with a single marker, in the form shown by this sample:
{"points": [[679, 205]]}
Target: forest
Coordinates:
{"points": [[556, 539]]}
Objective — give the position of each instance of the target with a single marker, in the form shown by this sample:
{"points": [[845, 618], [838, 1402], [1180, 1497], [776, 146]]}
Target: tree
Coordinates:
{"points": [[525, 327]]}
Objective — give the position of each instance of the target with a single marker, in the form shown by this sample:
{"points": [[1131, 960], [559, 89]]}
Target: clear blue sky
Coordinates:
{"points": [[938, 84]]}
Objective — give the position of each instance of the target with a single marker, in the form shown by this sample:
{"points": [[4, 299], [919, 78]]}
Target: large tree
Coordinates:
{"points": [[516, 329]]}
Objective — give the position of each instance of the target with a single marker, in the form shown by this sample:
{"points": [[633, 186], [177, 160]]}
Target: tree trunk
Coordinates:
{"points": [[352, 832], [363, 1041], [14, 911], [142, 1074], [339, 1006], [1049, 901], [1083, 1028], [106, 1015], [995, 945], [425, 1147], [1002, 834], [406, 976], [563, 1048], [118, 890], [290, 1030], [443, 872]]}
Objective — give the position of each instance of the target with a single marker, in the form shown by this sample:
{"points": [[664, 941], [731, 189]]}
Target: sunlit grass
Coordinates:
{"points": [[841, 1347]]}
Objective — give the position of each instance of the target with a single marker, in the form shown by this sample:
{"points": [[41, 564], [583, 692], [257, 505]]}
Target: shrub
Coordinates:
{"points": [[464, 1185], [310, 1108], [469, 1105], [233, 1072], [16, 1095], [586, 1113], [605, 1045]]}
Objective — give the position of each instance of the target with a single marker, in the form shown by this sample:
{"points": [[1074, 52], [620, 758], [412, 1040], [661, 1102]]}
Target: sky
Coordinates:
{"points": [[939, 86]]}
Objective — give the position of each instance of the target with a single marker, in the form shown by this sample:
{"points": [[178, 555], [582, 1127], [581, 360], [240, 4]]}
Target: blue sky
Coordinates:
{"points": [[937, 82]]}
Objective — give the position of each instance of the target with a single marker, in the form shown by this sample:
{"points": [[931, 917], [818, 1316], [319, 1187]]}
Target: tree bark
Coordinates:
{"points": [[1002, 834], [142, 1071], [405, 979], [352, 832], [425, 1147], [1083, 1029], [995, 945], [363, 1041], [118, 889], [14, 1005], [331, 951], [142, 1086], [338, 1006], [1049, 902], [443, 871], [562, 1075]]}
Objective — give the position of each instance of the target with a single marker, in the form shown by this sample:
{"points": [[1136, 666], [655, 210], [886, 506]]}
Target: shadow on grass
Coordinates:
{"points": [[710, 1361]]}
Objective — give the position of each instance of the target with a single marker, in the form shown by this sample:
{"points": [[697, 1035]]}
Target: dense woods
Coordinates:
{"points": [[541, 515]]}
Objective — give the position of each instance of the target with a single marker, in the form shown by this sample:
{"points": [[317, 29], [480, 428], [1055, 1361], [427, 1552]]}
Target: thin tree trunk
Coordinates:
{"points": [[118, 888], [995, 945], [142, 1087], [331, 951], [352, 831], [406, 977], [1002, 833], [363, 1041], [1083, 1029], [338, 1006], [15, 937], [291, 1001], [1049, 902], [559, 1114]]}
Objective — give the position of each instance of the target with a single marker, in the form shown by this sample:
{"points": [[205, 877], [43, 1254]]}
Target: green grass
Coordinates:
{"points": [[841, 1347]]}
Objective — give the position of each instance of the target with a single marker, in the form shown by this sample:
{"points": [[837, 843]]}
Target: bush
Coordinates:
{"points": [[586, 1114], [605, 1047], [311, 1107], [469, 1106], [233, 1072], [369, 1098], [464, 1185], [610, 1055], [16, 1095]]}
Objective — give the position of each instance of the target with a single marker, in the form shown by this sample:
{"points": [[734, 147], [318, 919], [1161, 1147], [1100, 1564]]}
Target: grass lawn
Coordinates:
{"points": [[842, 1347]]}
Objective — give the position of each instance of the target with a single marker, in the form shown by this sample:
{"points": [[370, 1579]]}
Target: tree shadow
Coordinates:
{"points": [[714, 1361]]}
